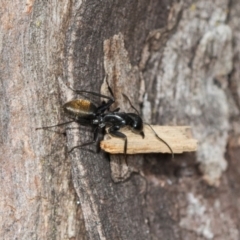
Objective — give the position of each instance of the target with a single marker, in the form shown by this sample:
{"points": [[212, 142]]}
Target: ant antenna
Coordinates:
{"points": [[57, 125], [130, 103], [156, 135]]}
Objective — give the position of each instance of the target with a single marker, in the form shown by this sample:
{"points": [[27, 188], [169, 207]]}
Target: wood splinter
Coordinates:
{"points": [[179, 138]]}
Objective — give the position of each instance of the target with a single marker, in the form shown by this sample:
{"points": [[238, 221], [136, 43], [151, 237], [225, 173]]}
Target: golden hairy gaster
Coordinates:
{"points": [[80, 108], [81, 104]]}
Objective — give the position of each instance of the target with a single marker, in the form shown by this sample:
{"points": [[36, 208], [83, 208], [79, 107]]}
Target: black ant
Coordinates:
{"points": [[87, 113]]}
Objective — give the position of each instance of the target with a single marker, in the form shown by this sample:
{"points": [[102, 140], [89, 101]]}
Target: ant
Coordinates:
{"points": [[85, 112]]}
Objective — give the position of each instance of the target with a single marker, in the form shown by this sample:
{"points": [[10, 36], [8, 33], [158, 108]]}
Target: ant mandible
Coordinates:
{"points": [[85, 112]]}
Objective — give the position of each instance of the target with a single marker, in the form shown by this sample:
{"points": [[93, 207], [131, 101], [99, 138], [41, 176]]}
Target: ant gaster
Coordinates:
{"points": [[87, 113]]}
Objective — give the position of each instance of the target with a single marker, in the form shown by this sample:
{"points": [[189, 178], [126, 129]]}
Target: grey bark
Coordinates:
{"points": [[179, 63]]}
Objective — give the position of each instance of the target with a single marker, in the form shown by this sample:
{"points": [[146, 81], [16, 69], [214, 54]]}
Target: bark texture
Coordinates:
{"points": [[178, 61]]}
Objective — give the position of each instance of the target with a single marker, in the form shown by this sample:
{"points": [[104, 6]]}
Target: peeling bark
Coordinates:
{"points": [[189, 81]]}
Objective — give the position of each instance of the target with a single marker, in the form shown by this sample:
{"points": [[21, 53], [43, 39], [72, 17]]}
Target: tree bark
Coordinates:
{"points": [[178, 61]]}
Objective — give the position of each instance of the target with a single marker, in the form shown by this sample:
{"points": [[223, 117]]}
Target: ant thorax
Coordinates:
{"points": [[99, 121]]}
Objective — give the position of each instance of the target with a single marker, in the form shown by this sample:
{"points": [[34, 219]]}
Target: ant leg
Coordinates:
{"points": [[97, 94], [92, 93], [113, 131], [57, 125], [116, 110], [106, 106], [102, 131], [95, 137], [109, 88]]}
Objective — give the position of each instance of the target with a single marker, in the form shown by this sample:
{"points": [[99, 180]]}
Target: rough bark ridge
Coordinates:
{"points": [[184, 54]]}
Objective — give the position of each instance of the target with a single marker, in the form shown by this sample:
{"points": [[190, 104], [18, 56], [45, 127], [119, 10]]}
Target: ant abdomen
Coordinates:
{"points": [[80, 108]]}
